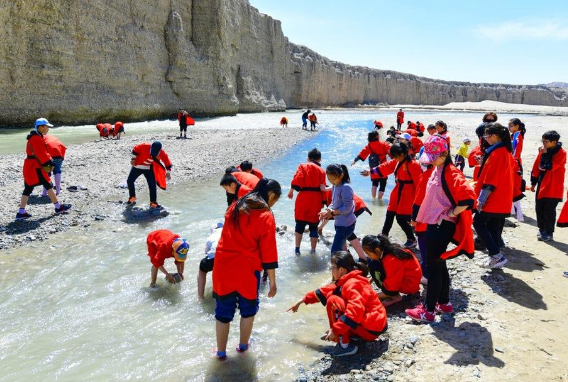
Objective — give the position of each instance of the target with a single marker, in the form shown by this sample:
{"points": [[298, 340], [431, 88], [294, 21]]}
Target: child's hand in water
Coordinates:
{"points": [[273, 289], [170, 279], [294, 308], [331, 336]]}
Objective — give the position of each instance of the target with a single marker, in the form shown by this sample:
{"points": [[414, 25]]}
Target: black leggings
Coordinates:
{"points": [[149, 175], [301, 227], [546, 214], [402, 220], [438, 237], [381, 183], [42, 181]]}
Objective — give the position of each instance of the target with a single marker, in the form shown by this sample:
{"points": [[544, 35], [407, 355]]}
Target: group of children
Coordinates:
{"points": [[107, 130]]}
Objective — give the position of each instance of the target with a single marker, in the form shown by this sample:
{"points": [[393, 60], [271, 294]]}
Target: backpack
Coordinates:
{"points": [[373, 158]]}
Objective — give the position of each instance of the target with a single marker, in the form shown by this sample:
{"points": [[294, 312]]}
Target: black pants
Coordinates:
{"points": [[398, 125], [546, 214], [149, 175], [402, 220], [438, 236], [381, 183], [42, 181], [489, 228]]}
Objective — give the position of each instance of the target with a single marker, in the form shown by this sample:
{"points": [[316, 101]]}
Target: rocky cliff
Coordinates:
{"points": [[80, 62]]}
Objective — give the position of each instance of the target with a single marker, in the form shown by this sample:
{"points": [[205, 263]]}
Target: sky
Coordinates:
{"points": [[514, 42]]}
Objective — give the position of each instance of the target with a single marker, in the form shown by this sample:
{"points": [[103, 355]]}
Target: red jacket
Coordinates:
{"points": [[550, 181], [54, 147], [420, 127], [241, 191], [416, 144], [381, 149], [37, 156], [188, 120], [412, 132], [246, 179], [519, 149], [563, 218], [117, 127], [411, 125], [143, 160], [307, 181], [360, 205], [407, 174], [160, 246], [400, 117], [497, 175], [103, 130], [476, 151], [284, 121], [394, 275], [420, 194], [256, 172], [363, 306], [243, 252]]}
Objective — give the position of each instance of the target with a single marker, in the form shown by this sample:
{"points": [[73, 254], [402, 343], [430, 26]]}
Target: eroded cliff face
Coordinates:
{"points": [[80, 62]]}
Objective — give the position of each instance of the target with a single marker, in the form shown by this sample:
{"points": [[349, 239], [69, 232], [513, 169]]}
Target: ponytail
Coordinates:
{"points": [[344, 259], [502, 132], [337, 169], [382, 242], [257, 199], [517, 122]]}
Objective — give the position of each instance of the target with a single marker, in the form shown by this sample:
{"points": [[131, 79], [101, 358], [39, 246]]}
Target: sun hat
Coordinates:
{"points": [[180, 248], [434, 146], [42, 122]]}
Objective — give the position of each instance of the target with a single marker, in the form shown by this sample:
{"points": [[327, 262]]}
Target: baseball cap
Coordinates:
{"points": [[406, 136], [180, 248], [156, 148], [216, 226], [433, 148], [42, 122]]}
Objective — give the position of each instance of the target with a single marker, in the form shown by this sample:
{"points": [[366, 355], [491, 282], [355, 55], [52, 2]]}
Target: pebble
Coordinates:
{"points": [[414, 339], [499, 350], [482, 317]]}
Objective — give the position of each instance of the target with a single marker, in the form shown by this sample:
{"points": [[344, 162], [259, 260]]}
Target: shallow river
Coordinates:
{"points": [[78, 307]]}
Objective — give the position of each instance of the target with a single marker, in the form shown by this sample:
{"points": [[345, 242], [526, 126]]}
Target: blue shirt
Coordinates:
{"points": [[342, 201]]}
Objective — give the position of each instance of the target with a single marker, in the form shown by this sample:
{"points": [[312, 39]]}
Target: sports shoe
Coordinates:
{"points": [[338, 351], [410, 244], [297, 252], [312, 252], [131, 201], [495, 262], [539, 234], [545, 237], [23, 216], [444, 308], [565, 274], [63, 209], [241, 350], [155, 206], [423, 280], [420, 314]]}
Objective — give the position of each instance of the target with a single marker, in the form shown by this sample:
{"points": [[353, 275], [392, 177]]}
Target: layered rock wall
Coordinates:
{"points": [[80, 62]]}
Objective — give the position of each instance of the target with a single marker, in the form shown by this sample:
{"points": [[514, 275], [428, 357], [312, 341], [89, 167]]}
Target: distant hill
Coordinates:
{"points": [[556, 85]]}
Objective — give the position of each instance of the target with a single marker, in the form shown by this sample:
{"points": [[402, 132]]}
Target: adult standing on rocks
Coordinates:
{"points": [[37, 165], [305, 119], [399, 119], [147, 160], [184, 121]]}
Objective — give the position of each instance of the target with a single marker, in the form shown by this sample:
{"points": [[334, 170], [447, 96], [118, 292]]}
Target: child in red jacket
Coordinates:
{"points": [[247, 246], [353, 308], [163, 244], [394, 269], [547, 177], [377, 152]]}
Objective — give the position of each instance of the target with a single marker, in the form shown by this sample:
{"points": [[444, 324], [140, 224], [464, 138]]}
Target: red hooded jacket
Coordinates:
{"points": [[37, 156], [400, 117], [307, 181], [159, 244], [563, 218], [256, 172], [246, 179], [497, 175], [550, 181], [407, 174], [394, 275], [363, 306], [381, 149], [54, 147]]}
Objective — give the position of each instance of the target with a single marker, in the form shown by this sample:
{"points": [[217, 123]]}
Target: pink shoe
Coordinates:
{"points": [[420, 314], [444, 308]]}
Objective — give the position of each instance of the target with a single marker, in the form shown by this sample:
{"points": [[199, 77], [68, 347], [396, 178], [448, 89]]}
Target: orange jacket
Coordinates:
{"points": [[407, 174], [394, 275], [496, 174], [307, 181], [37, 156], [244, 251], [103, 130], [363, 306], [246, 179], [143, 160], [159, 244], [54, 147], [117, 128], [256, 172]]}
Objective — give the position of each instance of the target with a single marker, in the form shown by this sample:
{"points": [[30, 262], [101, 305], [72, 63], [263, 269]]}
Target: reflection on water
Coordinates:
{"points": [[78, 307]]}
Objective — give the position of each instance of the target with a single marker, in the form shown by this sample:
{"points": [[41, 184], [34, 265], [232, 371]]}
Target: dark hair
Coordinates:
{"points": [[397, 149], [443, 125], [373, 136], [430, 127], [502, 132], [231, 169], [392, 128], [257, 199], [314, 154], [309, 111], [246, 166], [408, 122], [517, 122], [337, 170], [490, 114], [343, 259], [420, 134], [382, 242], [227, 180], [551, 135]]}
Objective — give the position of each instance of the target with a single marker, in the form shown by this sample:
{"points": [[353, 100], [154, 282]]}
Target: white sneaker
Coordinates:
{"points": [[495, 262]]}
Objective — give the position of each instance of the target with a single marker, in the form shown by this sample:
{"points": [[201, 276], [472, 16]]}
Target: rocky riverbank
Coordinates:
{"points": [[102, 168]]}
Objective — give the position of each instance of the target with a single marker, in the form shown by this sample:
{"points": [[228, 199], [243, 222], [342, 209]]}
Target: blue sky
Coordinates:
{"points": [[515, 42]]}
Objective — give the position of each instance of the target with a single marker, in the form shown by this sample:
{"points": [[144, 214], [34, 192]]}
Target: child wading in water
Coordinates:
{"points": [[353, 308], [394, 269], [446, 209], [247, 246], [377, 152], [342, 207]]}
